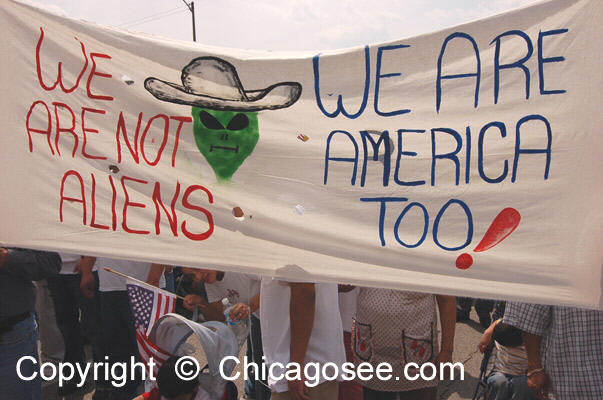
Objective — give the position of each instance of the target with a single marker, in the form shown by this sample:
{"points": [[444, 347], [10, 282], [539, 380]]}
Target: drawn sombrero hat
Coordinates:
{"points": [[210, 82]]}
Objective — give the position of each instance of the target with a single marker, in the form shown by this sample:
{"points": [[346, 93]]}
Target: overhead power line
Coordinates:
{"points": [[191, 8], [152, 17]]}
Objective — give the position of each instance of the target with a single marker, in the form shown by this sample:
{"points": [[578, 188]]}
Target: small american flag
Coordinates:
{"points": [[148, 304]]}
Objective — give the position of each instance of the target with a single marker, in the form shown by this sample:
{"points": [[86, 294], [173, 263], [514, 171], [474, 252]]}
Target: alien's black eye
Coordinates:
{"points": [[210, 121], [238, 122]]}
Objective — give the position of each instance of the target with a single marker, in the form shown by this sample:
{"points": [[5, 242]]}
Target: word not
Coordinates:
{"points": [[116, 372], [314, 373], [85, 195]]}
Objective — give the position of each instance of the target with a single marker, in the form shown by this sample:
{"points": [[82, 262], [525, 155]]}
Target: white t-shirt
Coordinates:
{"points": [[69, 262], [108, 281], [326, 340], [237, 287], [347, 308]]}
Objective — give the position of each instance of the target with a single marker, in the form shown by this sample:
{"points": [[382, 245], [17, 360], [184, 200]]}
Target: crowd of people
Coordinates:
{"points": [[535, 351]]}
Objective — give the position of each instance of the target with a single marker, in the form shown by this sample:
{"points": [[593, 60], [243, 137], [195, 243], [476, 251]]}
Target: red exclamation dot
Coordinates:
{"points": [[464, 261], [503, 225]]}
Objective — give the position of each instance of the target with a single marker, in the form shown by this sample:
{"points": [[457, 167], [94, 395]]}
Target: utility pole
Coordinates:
{"points": [[191, 8]]}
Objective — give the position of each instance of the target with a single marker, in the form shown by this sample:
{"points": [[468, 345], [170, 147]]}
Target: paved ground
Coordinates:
{"points": [[467, 336], [466, 339]]}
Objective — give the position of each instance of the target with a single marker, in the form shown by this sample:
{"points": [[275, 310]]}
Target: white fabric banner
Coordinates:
{"points": [[466, 161]]}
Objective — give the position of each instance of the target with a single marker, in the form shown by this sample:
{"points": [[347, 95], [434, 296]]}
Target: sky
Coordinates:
{"points": [[283, 24]]}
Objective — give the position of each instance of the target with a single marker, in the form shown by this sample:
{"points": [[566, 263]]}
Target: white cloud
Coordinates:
{"points": [[51, 8], [479, 9], [288, 24]]}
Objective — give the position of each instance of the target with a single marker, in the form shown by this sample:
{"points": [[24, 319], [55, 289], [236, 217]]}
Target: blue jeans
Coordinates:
{"points": [[20, 341], [508, 387]]}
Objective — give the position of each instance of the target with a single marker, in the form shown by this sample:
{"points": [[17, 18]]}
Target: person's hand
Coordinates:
{"points": [[87, 284], [298, 389], [191, 301], [445, 356], [539, 385], [484, 342], [239, 312], [3, 256]]}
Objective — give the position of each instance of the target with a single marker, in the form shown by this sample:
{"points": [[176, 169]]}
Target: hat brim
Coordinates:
{"points": [[277, 96]]}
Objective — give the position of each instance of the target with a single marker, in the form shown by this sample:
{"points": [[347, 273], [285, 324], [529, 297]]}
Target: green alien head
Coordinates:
{"points": [[224, 113], [225, 138]]}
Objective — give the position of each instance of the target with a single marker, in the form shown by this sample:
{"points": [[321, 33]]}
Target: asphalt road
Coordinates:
{"points": [[467, 336]]}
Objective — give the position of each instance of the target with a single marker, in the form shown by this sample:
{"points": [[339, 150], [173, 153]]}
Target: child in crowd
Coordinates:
{"points": [[242, 290], [507, 381]]}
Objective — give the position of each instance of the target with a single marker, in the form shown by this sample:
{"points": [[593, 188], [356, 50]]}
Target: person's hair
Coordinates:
{"points": [[507, 335], [170, 385]]}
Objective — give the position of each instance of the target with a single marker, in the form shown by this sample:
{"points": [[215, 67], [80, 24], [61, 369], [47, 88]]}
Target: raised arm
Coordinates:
{"points": [[486, 338]]}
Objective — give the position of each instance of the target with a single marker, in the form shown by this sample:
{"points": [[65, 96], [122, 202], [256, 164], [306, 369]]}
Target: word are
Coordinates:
{"points": [[526, 50]]}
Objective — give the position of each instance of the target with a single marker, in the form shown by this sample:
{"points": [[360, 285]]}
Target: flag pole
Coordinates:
{"points": [[138, 281]]}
